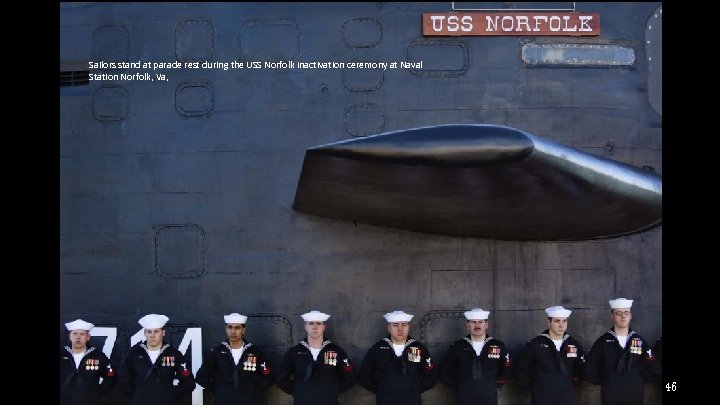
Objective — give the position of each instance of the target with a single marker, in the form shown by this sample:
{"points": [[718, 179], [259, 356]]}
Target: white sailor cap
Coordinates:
{"points": [[235, 318], [557, 312], [620, 303], [79, 324], [476, 314], [316, 316], [397, 316], [153, 321]]}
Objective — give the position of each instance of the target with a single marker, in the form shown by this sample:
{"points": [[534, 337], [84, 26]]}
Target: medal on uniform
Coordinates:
{"points": [[414, 354], [493, 352], [571, 351], [250, 363], [636, 346], [332, 358]]}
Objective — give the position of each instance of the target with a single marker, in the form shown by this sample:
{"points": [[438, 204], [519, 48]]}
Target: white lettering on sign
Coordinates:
{"points": [[454, 25], [538, 20], [566, 18], [511, 23], [516, 23], [437, 22], [465, 24], [584, 22], [557, 26], [523, 20], [507, 23]]}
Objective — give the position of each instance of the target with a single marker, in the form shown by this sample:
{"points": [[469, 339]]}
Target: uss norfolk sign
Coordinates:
{"points": [[511, 23]]}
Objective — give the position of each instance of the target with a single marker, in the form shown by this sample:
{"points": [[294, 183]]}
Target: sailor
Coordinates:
{"points": [[150, 367], [551, 362], [82, 367], [236, 371], [316, 370], [621, 360], [398, 368], [476, 365]]}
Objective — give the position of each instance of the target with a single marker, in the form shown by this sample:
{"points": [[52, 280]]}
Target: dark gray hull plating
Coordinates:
{"points": [[176, 197]]}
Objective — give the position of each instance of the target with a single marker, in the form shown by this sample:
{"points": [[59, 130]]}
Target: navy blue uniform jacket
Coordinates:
{"points": [[235, 384], [398, 380], [315, 382], [152, 383], [80, 386], [476, 378]]}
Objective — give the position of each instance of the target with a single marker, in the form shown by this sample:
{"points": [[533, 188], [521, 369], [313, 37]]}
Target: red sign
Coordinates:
{"points": [[511, 23]]}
